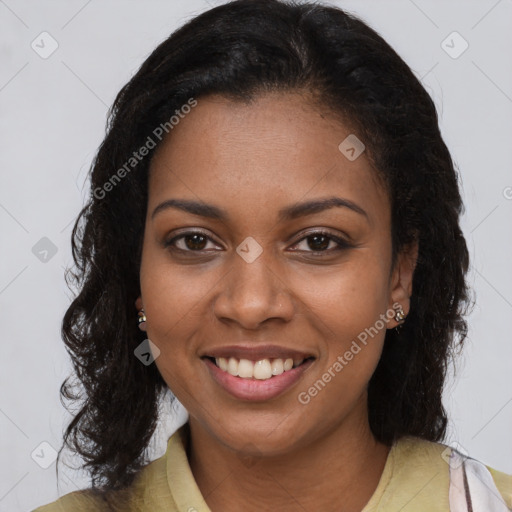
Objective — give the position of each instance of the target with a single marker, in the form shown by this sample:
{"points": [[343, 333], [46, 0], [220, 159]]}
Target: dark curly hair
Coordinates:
{"points": [[240, 50]]}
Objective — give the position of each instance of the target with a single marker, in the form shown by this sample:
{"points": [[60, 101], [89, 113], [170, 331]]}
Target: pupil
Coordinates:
{"points": [[195, 243], [315, 246]]}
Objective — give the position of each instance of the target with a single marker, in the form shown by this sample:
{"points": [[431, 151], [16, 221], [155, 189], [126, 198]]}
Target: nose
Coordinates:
{"points": [[253, 293]]}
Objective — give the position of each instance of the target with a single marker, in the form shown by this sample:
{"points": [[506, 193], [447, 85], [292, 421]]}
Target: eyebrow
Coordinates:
{"points": [[291, 212]]}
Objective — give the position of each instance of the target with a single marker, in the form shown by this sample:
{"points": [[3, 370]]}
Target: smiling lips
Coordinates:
{"points": [[257, 389]]}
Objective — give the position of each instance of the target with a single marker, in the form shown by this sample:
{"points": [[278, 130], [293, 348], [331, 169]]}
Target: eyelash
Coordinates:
{"points": [[342, 244]]}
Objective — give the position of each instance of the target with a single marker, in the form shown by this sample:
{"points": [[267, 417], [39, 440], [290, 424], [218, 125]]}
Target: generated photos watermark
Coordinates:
{"points": [[137, 156], [304, 397]]}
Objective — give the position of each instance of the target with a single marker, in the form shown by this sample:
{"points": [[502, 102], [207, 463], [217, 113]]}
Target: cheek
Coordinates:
{"points": [[350, 297], [175, 302], [348, 307], [172, 301]]}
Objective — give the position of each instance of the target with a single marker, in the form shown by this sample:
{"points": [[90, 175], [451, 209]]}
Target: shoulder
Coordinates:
{"points": [[148, 491], [419, 458], [419, 476], [80, 501]]}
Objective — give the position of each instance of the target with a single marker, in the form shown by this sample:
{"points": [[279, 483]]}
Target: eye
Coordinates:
{"points": [[191, 241], [320, 241]]}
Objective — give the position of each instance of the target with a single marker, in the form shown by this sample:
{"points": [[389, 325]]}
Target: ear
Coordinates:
{"points": [[401, 279]]}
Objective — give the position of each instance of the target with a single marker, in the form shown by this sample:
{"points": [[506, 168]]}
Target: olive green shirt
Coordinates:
{"points": [[415, 479]]}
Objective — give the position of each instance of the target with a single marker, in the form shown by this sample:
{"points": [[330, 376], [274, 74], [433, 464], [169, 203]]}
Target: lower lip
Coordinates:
{"points": [[256, 389]]}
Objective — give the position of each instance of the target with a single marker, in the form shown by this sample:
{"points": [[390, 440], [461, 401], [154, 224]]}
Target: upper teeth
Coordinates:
{"points": [[262, 369]]}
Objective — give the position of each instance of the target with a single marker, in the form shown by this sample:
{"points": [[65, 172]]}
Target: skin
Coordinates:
{"points": [[251, 161]]}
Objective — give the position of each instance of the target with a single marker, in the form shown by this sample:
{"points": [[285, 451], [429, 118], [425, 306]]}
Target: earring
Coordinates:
{"points": [[400, 317], [142, 320]]}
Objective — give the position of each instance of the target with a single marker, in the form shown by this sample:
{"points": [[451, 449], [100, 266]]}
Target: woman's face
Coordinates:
{"points": [[251, 276]]}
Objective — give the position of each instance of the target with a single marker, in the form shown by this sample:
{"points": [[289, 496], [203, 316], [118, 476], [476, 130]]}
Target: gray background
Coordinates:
{"points": [[52, 119]]}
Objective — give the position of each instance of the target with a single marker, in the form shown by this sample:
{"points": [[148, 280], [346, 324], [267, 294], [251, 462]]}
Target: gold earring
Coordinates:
{"points": [[400, 317]]}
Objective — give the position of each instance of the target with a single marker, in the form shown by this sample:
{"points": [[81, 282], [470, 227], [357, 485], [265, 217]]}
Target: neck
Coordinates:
{"points": [[341, 466]]}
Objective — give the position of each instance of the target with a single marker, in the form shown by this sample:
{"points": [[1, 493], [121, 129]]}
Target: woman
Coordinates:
{"points": [[275, 199]]}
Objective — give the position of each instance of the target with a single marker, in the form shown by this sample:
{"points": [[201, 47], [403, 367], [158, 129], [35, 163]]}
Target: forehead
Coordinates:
{"points": [[279, 149]]}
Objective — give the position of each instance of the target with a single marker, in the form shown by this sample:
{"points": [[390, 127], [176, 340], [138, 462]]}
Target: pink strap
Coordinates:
{"points": [[472, 488]]}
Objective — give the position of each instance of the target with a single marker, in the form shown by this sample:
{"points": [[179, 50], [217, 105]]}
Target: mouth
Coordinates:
{"points": [[261, 369], [257, 380]]}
